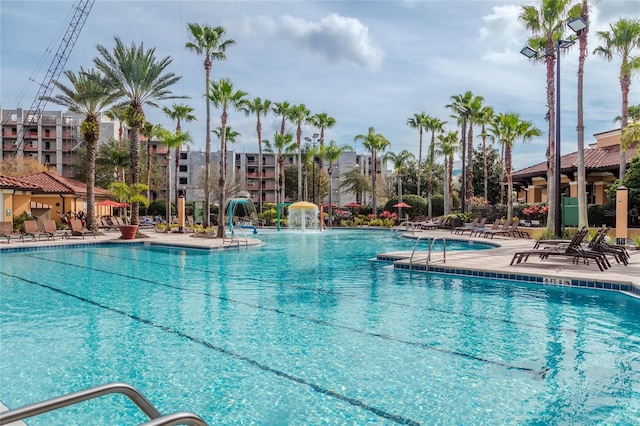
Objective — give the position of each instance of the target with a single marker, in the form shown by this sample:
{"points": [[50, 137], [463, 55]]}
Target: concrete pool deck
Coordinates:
{"points": [[555, 270]]}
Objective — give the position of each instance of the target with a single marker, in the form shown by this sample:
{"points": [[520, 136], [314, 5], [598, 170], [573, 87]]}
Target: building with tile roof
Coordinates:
{"points": [[602, 164]]}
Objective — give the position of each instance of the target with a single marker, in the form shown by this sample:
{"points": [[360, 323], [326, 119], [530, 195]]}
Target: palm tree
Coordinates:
{"points": [[630, 134], [418, 121], [547, 26], [621, 40], [171, 141], [139, 80], [475, 113], [506, 129], [399, 161], [484, 117], [460, 107], [150, 131], [87, 95], [260, 108], [633, 113], [375, 143], [208, 41], [179, 113], [281, 109], [331, 152], [230, 136], [434, 125], [355, 182], [321, 121], [223, 96], [117, 113], [299, 114], [281, 144], [447, 146]]}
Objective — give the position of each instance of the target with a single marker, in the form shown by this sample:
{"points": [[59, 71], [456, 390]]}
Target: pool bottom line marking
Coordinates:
{"points": [[537, 374], [317, 388]]}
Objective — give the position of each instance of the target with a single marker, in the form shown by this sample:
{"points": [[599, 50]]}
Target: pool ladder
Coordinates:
{"points": [[157, 419], [431, 242]]}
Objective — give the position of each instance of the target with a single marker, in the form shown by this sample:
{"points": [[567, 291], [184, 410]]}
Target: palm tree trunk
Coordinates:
{"points": [[135, 169], [373, 182], [168, 203], [148, 174], [509, 182], [464, 166], [583, 219], [91, 181], [469, 170], [260, 178], [450, 185], [485, 165], [298, 136], [551, 156], [625, 82], [419, 164], [207, 160], [223, 173]]}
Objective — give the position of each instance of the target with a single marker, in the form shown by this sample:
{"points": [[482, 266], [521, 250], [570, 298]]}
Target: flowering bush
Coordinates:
{"points": [[535, 211], [478, 201], [388, 215]]}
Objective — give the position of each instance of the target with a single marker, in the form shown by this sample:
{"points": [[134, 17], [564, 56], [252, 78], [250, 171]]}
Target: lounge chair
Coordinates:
{"points": [[572, 250], [105, 224], [507, 229], [599, 244], [51, 229], [479, 225], [31, 229], [480, 229], [466, 226], [7, 232], [78, 229]]}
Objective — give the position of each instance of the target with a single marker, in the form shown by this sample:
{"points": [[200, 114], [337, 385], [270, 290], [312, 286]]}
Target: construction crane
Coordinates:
{"points": [[80, 13]]}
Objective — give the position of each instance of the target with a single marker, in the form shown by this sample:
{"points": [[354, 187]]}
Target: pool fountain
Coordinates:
{"points": [[303, 216]]}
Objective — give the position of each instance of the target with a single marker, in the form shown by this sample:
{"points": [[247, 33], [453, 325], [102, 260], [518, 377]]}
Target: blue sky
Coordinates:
{"points": [[365, 63]]}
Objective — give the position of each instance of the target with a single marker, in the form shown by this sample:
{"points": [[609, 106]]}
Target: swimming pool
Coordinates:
{"points": [[308, 330]]}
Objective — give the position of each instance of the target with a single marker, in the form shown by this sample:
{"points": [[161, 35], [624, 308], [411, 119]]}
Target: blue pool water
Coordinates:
{"points": [[308, 330]]}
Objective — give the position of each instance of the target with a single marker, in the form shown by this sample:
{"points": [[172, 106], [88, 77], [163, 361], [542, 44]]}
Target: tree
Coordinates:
{"points": [[506, 129], [399, 162], [547, 27], [447, 146], [299, 114], [112, 161], [179, 113], [223, 96], [418, 121], [260, 108], [633, 113], [208, 41], [150, 131], [375, 143], [460, 107], [281, 144], [22, 166], [139, 80], [281, 109], [130, 194], [484, 117], [492, 182], [434, 125], [172, 141], [475, 113], [331, 152], [321, 121], [354, 182], [621, 40], [89, 94]]}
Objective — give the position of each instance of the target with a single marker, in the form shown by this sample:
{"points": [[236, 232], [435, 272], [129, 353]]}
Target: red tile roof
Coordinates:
{"points": [[47, 182], [605, 158], [15, 183]]}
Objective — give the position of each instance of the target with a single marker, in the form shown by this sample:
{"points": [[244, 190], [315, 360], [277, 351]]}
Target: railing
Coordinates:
{"points": [[129, 391], [431, 243]]}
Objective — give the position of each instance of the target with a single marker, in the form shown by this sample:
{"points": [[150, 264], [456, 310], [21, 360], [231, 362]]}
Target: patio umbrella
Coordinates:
{"points": [[353, 205], [109, 203], [402, 205]]}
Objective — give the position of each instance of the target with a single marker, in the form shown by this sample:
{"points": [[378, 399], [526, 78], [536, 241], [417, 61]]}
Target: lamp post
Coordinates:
{"points": [[577, 24]]}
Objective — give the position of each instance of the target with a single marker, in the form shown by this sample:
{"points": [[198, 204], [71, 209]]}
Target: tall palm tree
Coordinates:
{"points": [[621, 40], [475, 113], [171, 140], [299, 114], [140, 80], [633, 113], [281, 144], [355, 182], [447, 147], [150, 131], [281, 109], [418, 121], [223, 96], [375, 143], [88, 94], [460, 107], [484, 117], [434, 125], [399, 162], [118, 114], [547, 24], [179, 113], [208, 41], [331, 152], [321, 121], [506, 129], [260, 108]]}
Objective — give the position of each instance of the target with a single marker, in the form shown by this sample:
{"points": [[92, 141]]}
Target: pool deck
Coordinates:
{"points": [[554, 270]]}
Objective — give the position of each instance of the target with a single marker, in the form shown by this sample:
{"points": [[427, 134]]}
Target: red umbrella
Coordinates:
{"points": [[353, 205], [111, 203], [333, 205], [402, 205]]}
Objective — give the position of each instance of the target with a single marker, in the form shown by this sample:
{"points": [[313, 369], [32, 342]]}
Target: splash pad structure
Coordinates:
{"points": [[248, 210], [303, 216]]}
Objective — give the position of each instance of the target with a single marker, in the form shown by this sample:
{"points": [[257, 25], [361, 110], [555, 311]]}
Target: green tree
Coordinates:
{"points": [[331, 152], [621, 40], [418, 121], [209, 42], [492, 182], [399, 162], [321, 121], [149, 131], [460, 106], [180, 113], [260, 108], [484, 117], [224, 96], [112, 160], [172, 140], [281, 109], [375, 143], [139, 80], [447, 147], [299, 114], [89, 94], [355, 182], [434, 125], [506, 129], [281, 144]]}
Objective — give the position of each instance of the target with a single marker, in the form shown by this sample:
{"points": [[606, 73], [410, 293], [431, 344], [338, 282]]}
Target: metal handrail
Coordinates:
{"points": [[414, 250], [181, 418], [129, 391], [432, 240]]}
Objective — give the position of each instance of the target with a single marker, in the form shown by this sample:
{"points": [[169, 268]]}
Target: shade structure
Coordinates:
{"points": [[402, 205], [111, 203], [303, 205], [352, 205]]}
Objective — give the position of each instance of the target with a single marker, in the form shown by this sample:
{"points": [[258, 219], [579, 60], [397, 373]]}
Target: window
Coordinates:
{"points": [[183, 168], [47, 145], [183, 181], [47, 159], [183, 155]]}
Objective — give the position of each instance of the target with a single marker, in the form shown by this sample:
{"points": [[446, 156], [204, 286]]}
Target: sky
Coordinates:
{"points": [[364, 63]]}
